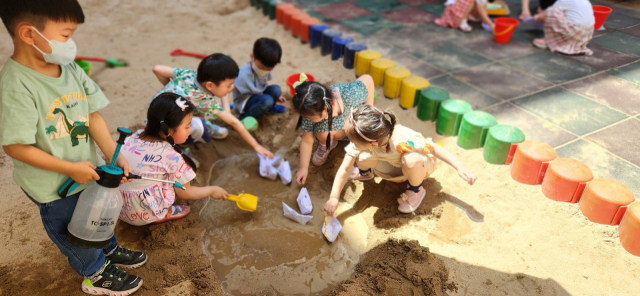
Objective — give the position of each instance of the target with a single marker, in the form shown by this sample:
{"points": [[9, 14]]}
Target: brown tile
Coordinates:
{"points": [[621, 139], [610, 90]]}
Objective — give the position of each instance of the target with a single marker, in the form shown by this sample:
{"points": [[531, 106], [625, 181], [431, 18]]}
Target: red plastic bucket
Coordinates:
{"points": [[295, 77], [504, 27], [600, 13]]}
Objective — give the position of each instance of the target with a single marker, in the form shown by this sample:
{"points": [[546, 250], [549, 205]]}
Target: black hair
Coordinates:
{"points": [[310, 100], [267, 51], [38, 12], [373, 124], [165, 114], [216, 68]]}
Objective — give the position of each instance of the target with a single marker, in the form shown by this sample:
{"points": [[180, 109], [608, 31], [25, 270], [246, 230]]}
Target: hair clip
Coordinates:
{"points": [[303, 78], [182, 104]]}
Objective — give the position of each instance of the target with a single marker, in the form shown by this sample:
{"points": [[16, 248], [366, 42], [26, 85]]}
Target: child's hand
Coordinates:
{"points": [[282, 99], [124, 164], [301, 176], [83, 172], [331, 206], [218, 193], [467, 175], [263, 151]]}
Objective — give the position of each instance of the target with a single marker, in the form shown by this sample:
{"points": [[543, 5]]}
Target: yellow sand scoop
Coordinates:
{"points": [[245, 201]]}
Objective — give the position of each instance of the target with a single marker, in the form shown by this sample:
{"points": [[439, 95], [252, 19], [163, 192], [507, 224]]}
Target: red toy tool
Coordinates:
{"points": [[178, 52]]}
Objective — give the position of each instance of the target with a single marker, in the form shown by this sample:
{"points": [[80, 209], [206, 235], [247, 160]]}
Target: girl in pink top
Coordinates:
{"points": [[153, 153]]}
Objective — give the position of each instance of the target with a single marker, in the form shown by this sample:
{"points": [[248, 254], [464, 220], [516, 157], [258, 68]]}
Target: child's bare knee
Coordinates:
{"points": [[411, 160], [366, 163]]}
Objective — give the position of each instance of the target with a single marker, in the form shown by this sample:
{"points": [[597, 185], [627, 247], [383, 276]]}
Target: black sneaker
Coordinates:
{"points": [[112, 281], [125, 258]]}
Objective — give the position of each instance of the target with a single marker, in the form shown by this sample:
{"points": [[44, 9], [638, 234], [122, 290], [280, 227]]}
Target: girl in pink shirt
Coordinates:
{"points": [[154, 153]]}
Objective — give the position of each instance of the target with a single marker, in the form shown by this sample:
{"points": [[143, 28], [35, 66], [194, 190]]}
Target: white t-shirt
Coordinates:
{"points": [[577, 11], [481, 2]]}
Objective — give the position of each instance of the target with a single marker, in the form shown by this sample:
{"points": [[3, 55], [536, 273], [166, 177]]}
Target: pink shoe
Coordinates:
{"points": [[322, 153], [410, 202], [540, 43], [355, 175]]}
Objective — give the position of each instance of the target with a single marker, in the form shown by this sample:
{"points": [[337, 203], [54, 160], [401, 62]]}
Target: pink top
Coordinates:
{"points": [[148, 201]]}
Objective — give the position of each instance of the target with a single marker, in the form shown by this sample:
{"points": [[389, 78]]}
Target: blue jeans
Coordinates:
{"points": [[55, 218], [260, 104]]}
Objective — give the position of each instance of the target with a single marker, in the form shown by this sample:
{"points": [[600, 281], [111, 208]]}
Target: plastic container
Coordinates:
{"points": [[363, 61], [450, 116], [600, 13], [85, 66], [337, 47], [504, 27], [269, 8], [296, 23], [501, 144], [410, 91], [250, 123], [429, 102], [304, 28], [280, 9], [629, 230], [566, 179], [350, 51], [531, 161], [326, 41], [295, 77], [393, 81], [474, 129], [288, 15], [315, 34], [378, 68], [605, 201]]}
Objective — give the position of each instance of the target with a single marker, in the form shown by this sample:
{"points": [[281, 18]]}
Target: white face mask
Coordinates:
{"points": [[62, 53], [261, 73]]}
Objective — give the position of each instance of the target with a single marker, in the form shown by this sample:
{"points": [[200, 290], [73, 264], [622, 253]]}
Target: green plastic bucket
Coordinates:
{"points": [[501, 144], [429, 102], [474, 129], [450, 116], [250, 123], [85, 66], [257, 4], [271, 10]]}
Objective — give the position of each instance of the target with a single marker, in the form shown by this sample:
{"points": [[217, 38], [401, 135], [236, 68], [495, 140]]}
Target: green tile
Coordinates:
{"points": [[447, 33], [569, 110], [317, 15], [449, 57], [603, 163], [629, 72], [435, 8], [369, 24], [620, 42], [460, 90], [550, 67], [312, 3], [378, 6]]}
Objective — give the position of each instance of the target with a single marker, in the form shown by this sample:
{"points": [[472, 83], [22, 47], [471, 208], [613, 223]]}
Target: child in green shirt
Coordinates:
{"points": [[49, 122]]}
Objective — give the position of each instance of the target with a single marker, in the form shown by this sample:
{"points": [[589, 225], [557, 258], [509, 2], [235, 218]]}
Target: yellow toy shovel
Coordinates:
{"points": [[245, 201]]}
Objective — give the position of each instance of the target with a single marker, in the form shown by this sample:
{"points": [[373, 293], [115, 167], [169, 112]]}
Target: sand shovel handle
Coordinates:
{"points": [[177, 52], [91, 59], [509, 28]]}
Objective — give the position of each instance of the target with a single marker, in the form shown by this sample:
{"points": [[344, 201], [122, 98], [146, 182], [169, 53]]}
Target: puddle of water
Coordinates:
{"points": [[254, 251]]}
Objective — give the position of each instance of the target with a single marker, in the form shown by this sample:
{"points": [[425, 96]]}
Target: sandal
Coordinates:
{"points": [[409, 203], [356, 176], [540, 43], [175, 212]]}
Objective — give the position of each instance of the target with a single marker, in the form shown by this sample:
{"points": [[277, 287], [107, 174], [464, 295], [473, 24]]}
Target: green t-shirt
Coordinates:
{"points": [[51, 114]]}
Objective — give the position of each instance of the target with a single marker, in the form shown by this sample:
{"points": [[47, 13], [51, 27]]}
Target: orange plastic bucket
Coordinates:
{"points": [[566, 179], [296, 22], [288, 14], [605, 201], [630, 229], [531, 161], [504, 27], [295, 77], [280, 9], [601, 13], [304, 28]]}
